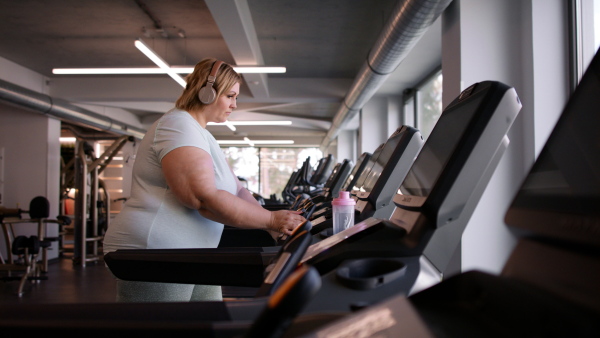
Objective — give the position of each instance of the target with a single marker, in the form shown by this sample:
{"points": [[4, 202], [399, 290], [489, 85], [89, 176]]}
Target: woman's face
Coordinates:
{"points": [[223, 106]]}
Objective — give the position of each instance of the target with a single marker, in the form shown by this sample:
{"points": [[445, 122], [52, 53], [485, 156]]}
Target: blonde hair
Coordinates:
{"points": [[226, 78]]}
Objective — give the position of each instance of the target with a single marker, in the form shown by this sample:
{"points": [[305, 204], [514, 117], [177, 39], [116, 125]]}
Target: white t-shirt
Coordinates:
{"points": [[153, 218]]}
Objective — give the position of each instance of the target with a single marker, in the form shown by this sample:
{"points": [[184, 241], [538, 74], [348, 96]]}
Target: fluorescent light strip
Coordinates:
{"points": [[254, 123], [67, 139], [159, 61], [230, 126], [256, 142], [99, 71], [178, 70], [249, 142], [258, 69]]}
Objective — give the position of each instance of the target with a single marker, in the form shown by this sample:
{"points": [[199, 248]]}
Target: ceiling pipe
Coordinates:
{"points": [[407, 24], [64, 110]]}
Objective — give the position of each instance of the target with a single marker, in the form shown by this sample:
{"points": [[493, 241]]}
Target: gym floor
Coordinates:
{"points": [[65, 283], [68, 283]]}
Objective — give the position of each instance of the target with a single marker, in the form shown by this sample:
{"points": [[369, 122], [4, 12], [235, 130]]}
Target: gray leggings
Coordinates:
{"points": [[133, 291]]}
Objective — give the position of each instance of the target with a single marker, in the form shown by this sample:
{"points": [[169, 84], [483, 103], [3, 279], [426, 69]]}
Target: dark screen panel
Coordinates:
{"points": [[333, 175], [370, 163], [382, 160], [560, 197], [360, 164], [438, 148]]}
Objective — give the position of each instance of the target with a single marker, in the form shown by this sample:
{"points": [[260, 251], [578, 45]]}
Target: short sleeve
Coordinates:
{"points": [[178, 129]]}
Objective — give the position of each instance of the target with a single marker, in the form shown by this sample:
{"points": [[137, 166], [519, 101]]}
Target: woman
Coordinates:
{"points": [[183, 190]]}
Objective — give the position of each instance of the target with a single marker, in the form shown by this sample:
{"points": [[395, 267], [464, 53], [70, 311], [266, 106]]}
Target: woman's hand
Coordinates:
{"points": [[285, 221]]}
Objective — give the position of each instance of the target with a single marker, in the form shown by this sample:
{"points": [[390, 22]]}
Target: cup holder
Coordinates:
{"points": [[369, 273]]}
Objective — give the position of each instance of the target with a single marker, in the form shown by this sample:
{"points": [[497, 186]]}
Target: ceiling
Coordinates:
{"points": [[322, 43]]}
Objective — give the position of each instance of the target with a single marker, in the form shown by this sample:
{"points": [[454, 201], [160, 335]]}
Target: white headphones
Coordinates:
{"points": [[207, 94]]}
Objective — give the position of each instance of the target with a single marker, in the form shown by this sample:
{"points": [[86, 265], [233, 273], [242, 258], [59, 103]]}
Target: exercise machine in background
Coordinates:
{"points": [[91, 209]]}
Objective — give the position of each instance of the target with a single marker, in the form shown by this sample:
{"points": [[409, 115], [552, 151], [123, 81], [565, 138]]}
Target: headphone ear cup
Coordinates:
{"points": [[207, 94]]}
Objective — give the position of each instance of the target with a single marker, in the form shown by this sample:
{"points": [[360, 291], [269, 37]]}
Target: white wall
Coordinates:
{"points": [[346, 146], [394, 114], [374, 124], [20, 76]]}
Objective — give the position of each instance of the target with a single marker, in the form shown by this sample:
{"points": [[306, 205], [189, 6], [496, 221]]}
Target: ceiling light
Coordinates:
{"points": [[261, 123], [149, 70], [256, 142], [273, 142], [259, 69], [239, 69], [229, 125], [159, 61], [254, 123], [70, 71], [67, 139]]}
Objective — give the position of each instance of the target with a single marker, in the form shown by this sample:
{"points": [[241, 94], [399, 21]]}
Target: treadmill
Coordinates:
{"points": [[377, 186], [357, 171], [238, 237], [405, 143], [336, 179], [548, 287], [322, 210], [331, 188], [322, 172], [378, 258], [456, 161]]}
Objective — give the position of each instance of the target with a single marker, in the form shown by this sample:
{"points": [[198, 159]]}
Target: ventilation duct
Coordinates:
{"points": [[64, 110], [408, 22]]}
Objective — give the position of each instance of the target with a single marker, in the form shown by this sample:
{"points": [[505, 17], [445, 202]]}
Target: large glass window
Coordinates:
{"points": [[429, 104], [596, 12], [244, 161], [267, 170], [424, 103], [584, 32]]}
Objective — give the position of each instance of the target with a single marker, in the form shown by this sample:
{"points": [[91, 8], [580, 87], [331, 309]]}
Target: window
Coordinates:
{"points": [[244, 161], [424, 103], [267, 170], [429, 104], [584, 25], [596, 12]]}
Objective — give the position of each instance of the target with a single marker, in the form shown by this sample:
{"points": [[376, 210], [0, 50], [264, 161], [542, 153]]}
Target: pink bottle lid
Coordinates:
{"points": [[343, 199]]}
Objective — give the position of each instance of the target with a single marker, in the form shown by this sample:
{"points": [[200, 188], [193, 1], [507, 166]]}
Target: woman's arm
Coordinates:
{"points": [[189, 174], [245, 194]]}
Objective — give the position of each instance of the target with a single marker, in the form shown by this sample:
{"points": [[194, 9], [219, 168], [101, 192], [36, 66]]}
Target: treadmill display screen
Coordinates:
{"points": [[354, 171], [382, 161], [438, 148], [331, 177], [370, 163], [560, 196]]}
